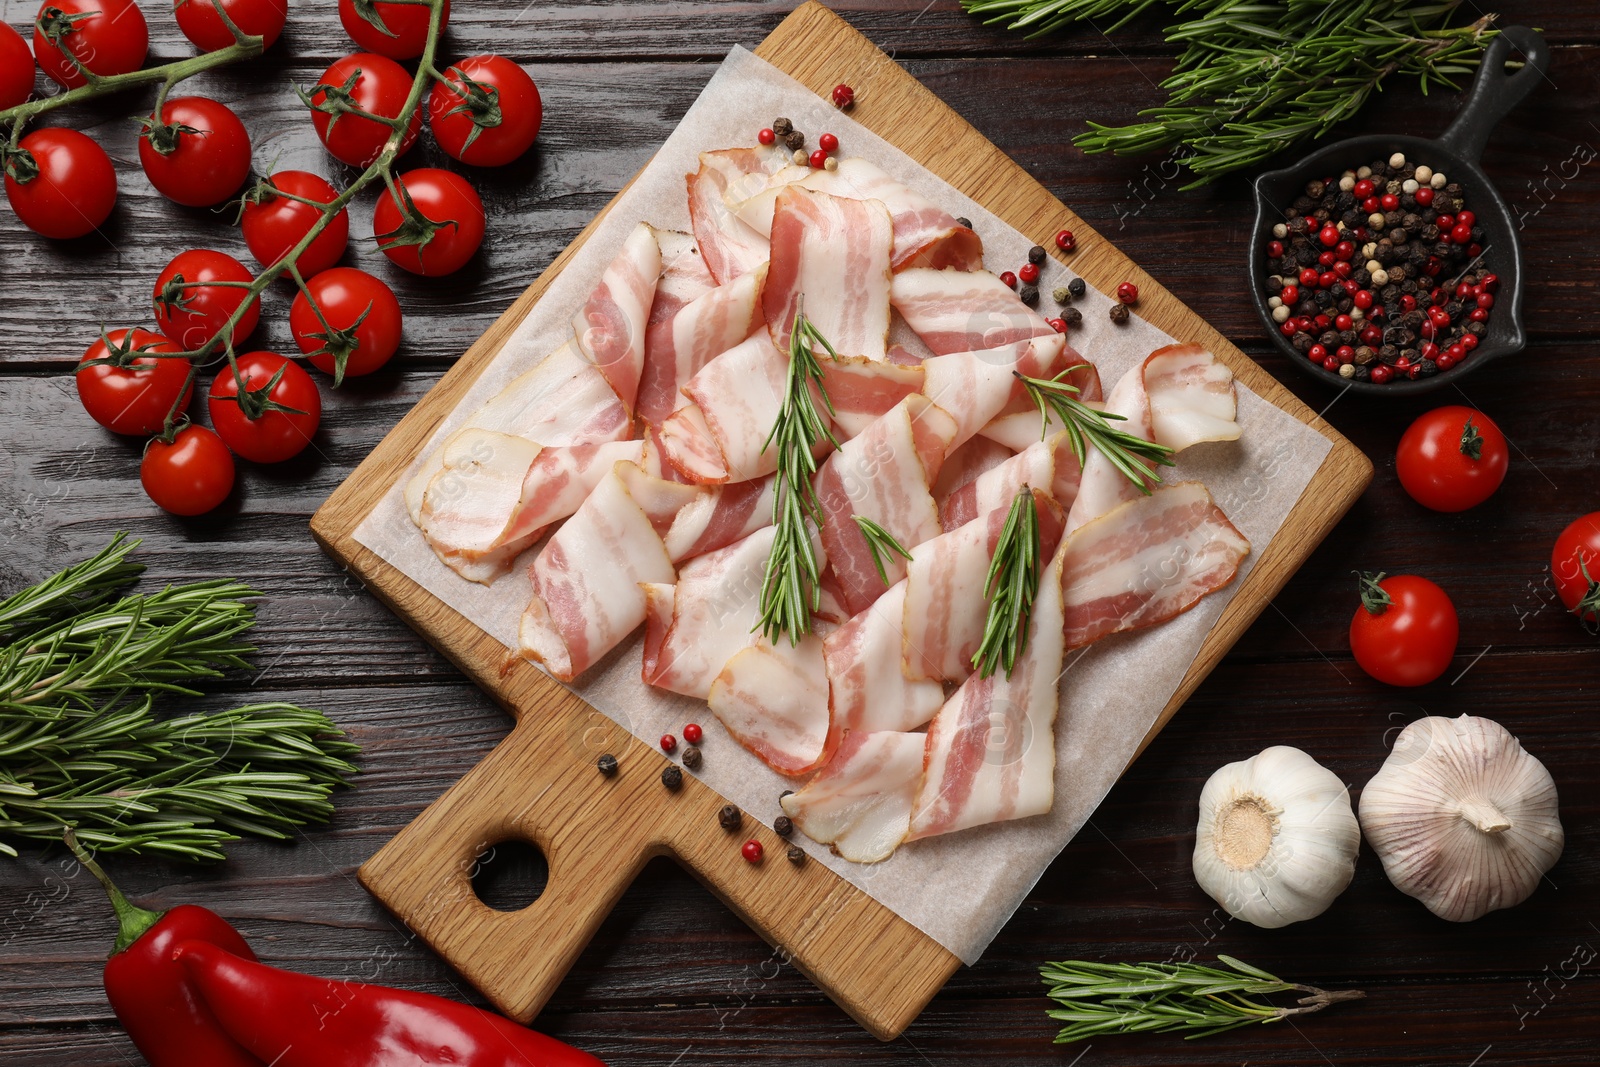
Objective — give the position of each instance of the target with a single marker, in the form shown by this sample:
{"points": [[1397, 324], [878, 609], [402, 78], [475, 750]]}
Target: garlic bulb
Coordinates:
{"points": [[1277, 839], [1462, 818]]}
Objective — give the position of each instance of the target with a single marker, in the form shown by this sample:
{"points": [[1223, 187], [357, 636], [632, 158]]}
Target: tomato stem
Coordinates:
{"points": [[1373, 596], [1588, 606], [1471, 441]]}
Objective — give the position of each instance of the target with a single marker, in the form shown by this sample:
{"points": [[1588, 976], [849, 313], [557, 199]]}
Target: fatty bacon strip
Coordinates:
{"points": [[729, 246], [610, 326], [833, 252]]}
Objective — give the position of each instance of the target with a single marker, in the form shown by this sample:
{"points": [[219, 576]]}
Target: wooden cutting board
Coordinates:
{"points": [[540, 785]]}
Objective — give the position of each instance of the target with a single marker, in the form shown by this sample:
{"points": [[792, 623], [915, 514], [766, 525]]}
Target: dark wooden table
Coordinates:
{"points": [[672, 976]]}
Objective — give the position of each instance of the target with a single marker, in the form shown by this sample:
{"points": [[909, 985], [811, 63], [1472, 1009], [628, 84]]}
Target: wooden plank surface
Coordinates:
{"points": [[672, 976]]}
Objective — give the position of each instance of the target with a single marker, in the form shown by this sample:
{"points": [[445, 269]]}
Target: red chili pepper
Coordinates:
{"points": [[296, 1020], [151, 993]]}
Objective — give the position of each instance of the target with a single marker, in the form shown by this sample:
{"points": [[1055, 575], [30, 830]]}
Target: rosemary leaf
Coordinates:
{"points": [[78, 588], [1085, 426], [1010, 586], [883, 545]]}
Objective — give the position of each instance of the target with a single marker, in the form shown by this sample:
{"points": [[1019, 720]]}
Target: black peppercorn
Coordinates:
{"points": [[1072, 317], [795, 140], [1365, 355], [692, 758], [1393, 219], [1301, 205], [1427, 368], [1029, 295], [1454, 309], [1077, 288], [1477, 329], [1315, 189], [1297, 224], [1344, 305], [796, 854], [1363, 374], [786, 793], [1304, 257], [606, 765], [1302, 341], [782, 826], [964, 222], [672, 778], [1411, 355], [1389, 354], [782, 127], [1329, 339], [730, 817], [1119, 313], [1036, 255]]}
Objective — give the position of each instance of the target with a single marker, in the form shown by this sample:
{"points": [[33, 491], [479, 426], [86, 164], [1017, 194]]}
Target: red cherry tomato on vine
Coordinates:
{"points": [[16, 68], [192, 312], [346, 297], [275, 419], [486, 111], [135, 393], [198, 154], [1575, 565], [455, 221], [190, 476], [105, 36], [273, 225], [73, 190], [406, 26], [374, 84], [1405, 631], [199, 21], [1451, 459]]}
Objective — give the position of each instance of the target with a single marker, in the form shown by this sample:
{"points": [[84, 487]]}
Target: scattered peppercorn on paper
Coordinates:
{"points": [[959, 888]]}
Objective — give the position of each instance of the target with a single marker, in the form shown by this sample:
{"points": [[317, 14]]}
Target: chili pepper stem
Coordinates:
{"points": [[132, 920]]}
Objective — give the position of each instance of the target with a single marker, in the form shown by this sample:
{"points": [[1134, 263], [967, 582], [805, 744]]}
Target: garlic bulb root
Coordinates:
{"points": [[1462, 817], [1277, 838]]}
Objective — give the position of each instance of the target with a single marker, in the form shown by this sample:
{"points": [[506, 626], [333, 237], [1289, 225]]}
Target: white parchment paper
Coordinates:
{"points": [[959, 889]]}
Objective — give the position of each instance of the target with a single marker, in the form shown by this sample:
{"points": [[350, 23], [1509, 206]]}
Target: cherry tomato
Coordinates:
{"points": [[1405, 631], [198, 154], [273, 225], [199, 21], [191, 312], [1575, 564], [74, 189], [134, 394], [1452, 458], [190, 476], [105, 36], [16, 68], [486, 111], [405, 26], [455, 223], [364, 318], [374, 84], [280, 411]]}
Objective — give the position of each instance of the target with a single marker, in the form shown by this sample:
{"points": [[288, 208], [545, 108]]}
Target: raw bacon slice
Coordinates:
{"points": [[882, 474], [716, 610], [1048, 465], [1194, 394], [740, 393], [774, 701], [945, 602], [689, 449], [684, 278], [586, 581], [963, 310], [863, 390], [991, 751], [611, 324], [485, 519], [1146, 561], [1019, 423], [965, 463], [833, 253], [661, 499], [720, 517], [867, 688], [659, 600], [729, 246], [975, 387], [698, 332], [860, 803], [562, 400]]}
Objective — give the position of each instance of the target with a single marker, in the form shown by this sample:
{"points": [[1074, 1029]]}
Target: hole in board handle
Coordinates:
{"points": [[510, 875]]}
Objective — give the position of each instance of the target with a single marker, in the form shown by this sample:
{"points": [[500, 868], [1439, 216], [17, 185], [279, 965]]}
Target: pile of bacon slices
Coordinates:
{"points": [[642, 443]]}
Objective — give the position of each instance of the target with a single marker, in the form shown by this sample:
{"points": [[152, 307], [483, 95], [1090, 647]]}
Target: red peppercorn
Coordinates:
{"points": [[1478, 314], [828, 142], [1327, 259], [1322, 322], [1311, 224], [1444, 362], [1485, 300], [1343, 323], [1408, 302], [766, 136], [1424, 196], [1491, 283], [843, 96], [1343, 269], [1344, 250], [1439, 316], [1289, 328], [1346, 354], [1290, 295], [1440, 296], [819, 159], [1371, 335], [1058, 325], [1317, 353], [1330, 364], [1444, 222], [1327, 279], [1009, 278], [1429, 351], [1455, 352], [692, 733], [1461, 234], [1381, 375], [1466, 218], [1432, 269], [1389, 201], [1329, 236], [1403, 363], [1029, 273], [1275, 249], [668, 743], [1308, 278], [1474, 250], [752, 851], [1128, 293], [1363, 188], [1469, 341], [1066, 242], [1363, 299], [1463, 289], [1370, 204]]}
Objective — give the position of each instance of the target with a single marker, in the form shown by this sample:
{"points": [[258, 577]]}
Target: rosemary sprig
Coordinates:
{"points": [[78, 588], [883, 545], [1256, 78], [1125, 998], [790, 588], [1010, 586], [1129, 453]]}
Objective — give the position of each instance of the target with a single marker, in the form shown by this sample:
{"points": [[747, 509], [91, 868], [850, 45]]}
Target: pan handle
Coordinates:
{"points": [[1494, 92]]}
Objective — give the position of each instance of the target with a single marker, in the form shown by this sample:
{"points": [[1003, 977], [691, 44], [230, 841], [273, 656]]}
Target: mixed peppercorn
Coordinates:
{"points": [[783, 130], [1376, 275]]}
